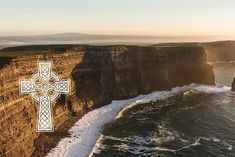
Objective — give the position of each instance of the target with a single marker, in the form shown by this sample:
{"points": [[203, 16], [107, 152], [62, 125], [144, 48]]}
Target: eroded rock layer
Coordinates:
{"points": [[99, 74]]}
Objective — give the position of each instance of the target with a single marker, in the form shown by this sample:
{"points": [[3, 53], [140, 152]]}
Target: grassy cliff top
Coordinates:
{"points": [[40, 49]]}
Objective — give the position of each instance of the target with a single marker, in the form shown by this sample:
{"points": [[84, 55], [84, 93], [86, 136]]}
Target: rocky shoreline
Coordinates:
{"points": [[99, 75], [46, 141]]}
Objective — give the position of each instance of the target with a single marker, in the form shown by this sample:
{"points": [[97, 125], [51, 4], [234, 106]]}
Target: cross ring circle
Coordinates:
{"points": [[35, 96]]}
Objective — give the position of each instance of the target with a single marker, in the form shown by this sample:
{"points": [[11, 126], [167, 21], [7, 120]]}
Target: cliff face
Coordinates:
{"points": [[99, 74]]}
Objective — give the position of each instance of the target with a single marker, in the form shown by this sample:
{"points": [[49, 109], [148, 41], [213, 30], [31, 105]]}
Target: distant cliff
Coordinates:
{"points": [[99, 73], [216, 51], [220, 50]]}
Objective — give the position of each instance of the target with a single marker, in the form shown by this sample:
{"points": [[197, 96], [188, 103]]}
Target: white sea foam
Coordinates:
{"points": [[138, 145], [86, 131], [222, 62]]}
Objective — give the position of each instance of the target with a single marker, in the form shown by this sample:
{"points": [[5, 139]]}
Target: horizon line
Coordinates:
{"points": [[108, 34]]}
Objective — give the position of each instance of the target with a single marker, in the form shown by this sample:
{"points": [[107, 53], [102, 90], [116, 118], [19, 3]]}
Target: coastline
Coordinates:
{"points": [[100, 74]]}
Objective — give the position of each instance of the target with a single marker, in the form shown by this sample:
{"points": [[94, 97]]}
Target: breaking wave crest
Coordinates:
{"points": [[221, 62], [146, 146]]}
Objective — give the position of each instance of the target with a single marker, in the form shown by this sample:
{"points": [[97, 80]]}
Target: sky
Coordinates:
{"points": [[131, 17]]}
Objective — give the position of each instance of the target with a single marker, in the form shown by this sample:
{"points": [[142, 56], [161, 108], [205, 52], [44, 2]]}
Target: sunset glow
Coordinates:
{"points": [[132, 17]]}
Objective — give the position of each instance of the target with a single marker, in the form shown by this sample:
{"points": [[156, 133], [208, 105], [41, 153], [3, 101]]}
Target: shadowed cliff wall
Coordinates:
{"points": [[99, 73]]}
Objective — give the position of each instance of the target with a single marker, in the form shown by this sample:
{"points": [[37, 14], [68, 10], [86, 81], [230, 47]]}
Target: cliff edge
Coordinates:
{"points": [[99, 74]]}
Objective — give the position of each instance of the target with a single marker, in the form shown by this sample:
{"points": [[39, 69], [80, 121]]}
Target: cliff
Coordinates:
{"points": [[220, 50], [99, 74], [216, 51]]}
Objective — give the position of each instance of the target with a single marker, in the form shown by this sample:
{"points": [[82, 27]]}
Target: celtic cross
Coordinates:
{"points": [[45, 87]]}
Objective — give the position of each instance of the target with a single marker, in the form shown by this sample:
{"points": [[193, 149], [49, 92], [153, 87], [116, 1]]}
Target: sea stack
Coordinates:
{"points": [[233, 84]]}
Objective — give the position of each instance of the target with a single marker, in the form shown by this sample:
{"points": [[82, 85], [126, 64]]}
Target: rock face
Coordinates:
{"points": [[99, 73], [233, 85]]}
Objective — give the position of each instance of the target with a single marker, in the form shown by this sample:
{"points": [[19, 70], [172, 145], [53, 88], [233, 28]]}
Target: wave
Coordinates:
{"points": [[161, 95], [86, 131], [211, 139], [139, 146], [221, 62], [135, 145]]}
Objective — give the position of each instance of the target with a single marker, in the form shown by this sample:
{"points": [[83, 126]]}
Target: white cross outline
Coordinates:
{"points": [[44, 98]]}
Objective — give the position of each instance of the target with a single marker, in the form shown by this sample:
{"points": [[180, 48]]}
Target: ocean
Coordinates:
{"points": [[193, 120]]}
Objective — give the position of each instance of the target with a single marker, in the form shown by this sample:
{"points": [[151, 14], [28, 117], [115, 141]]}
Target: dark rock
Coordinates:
{"points": [[233, 85]]}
